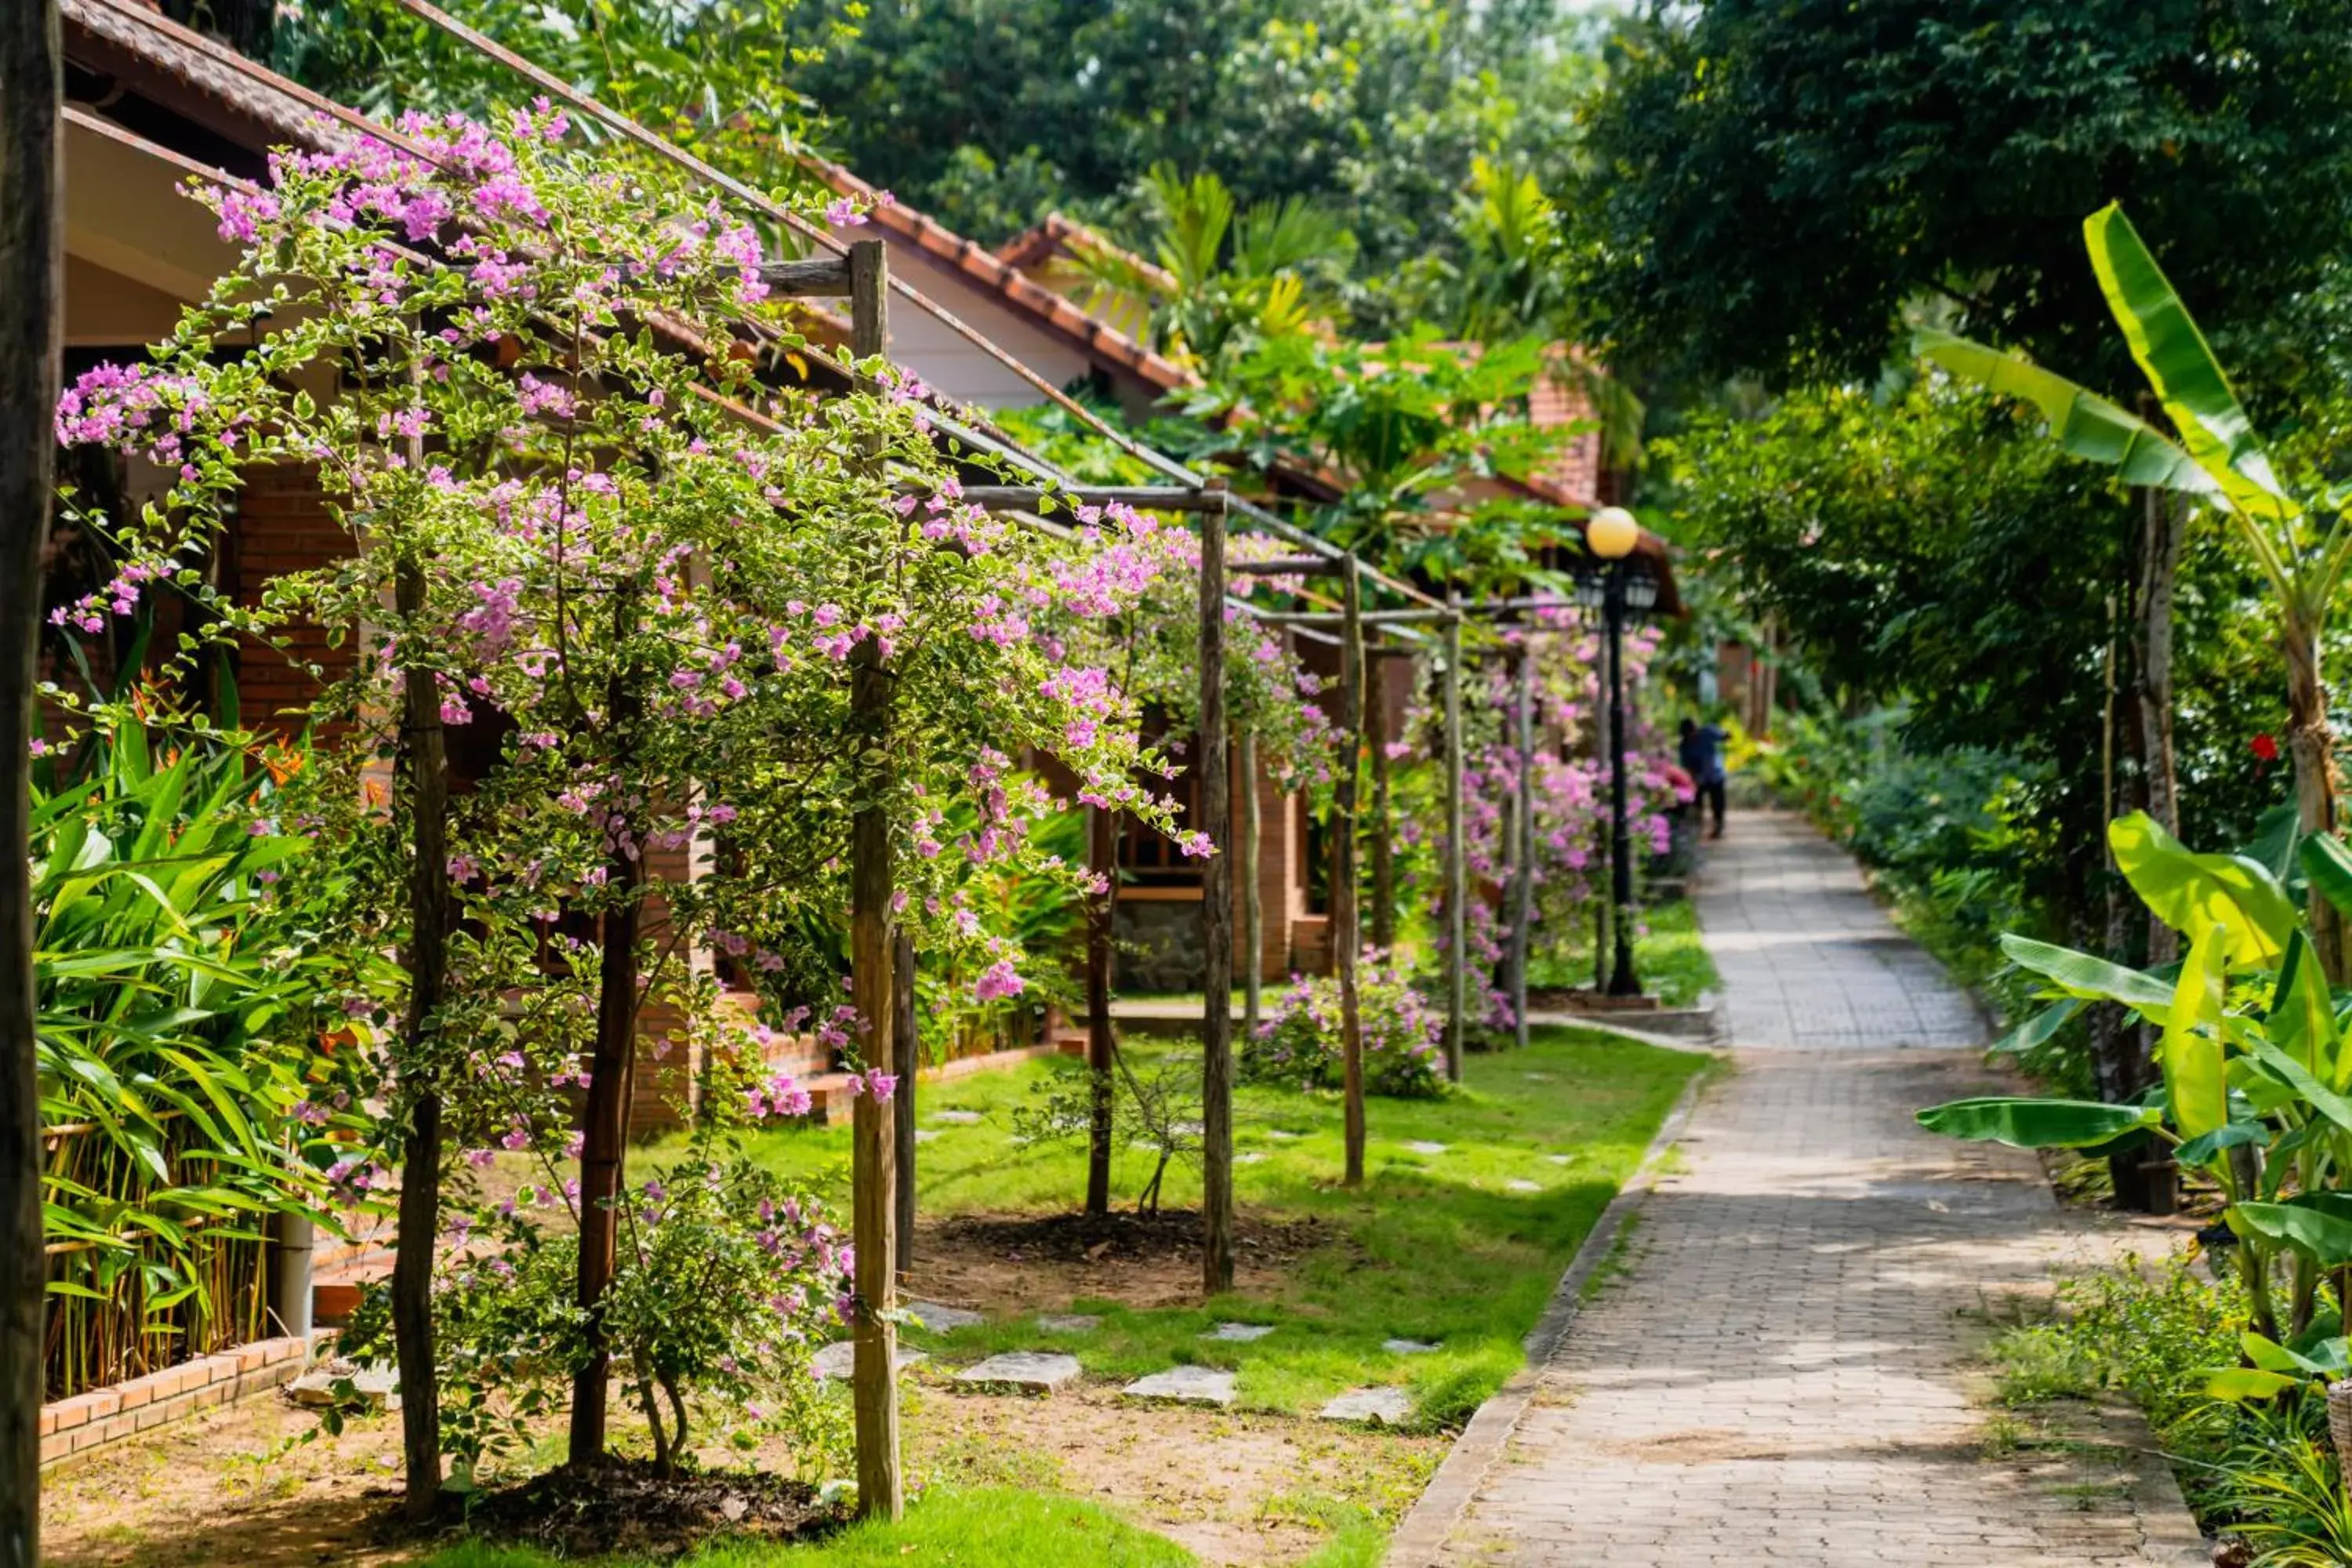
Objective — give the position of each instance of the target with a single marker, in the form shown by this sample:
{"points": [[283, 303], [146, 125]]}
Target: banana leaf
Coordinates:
{"points": [[2089, 978], [2025, 1123], [2193, 893]]}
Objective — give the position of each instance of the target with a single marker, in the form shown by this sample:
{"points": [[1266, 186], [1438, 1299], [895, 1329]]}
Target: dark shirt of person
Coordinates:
{"points": [[1701, 753]]}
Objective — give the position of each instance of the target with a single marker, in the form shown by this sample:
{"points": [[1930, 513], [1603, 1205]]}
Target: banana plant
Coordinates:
{"points": [[2214, 456], [2255, 1071]]}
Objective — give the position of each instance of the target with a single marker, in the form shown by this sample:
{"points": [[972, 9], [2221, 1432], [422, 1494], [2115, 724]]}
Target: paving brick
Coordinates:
{"points": [[1780, 1371]]}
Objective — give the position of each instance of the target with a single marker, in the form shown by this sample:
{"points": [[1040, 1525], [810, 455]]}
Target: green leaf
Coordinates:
{"points": [[2315, 1094], [2302, 1021], [2038, 1030], [2195, 1080], [2030, 1123], [2207, 1147], [2181, 366], [2193, 893], [2243, 1383], [2321, 1234], [2084, 424], [2090, 978], [2328, 864]]}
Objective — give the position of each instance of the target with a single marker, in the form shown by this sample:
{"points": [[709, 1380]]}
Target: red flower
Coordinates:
{"points": [[2265, 748]]}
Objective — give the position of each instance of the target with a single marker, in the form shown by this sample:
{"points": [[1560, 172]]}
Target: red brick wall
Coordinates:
{"points": [[282, 526]]}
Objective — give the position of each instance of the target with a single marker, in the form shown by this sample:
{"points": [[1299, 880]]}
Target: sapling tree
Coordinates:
{"points": [[636, 576]]}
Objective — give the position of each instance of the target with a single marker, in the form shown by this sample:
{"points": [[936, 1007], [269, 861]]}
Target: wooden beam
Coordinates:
{"points": [[873, 1165], [1253, 900], [1285, 566], [1102, 1045], [1061, 498], [1383, 837], [902, 1105], [817, 277], [1346, 942], [1363, 618], [1216, 925], [1457, 881]]}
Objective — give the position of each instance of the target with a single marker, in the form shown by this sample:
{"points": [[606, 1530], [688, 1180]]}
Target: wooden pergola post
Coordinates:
{"points": [[1457, 881], [874, 1382], [909, 1050], [1346, 942], [1252, 898], [1523, 879], [1102, 860], [1383, 841], [1216, 925]]}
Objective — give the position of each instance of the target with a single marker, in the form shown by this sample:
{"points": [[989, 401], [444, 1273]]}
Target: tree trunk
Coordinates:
{"points": [[1523, 850], [2312, 744], [1346, 941], [1102, 860], [1383, 837], [32, 308], [1216, 926], [908, 1047], [605, 1131], [426, 761]]}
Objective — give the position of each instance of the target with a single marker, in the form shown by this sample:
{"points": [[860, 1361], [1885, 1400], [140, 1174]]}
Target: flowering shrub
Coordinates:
{"points": [[1300, 1043]]}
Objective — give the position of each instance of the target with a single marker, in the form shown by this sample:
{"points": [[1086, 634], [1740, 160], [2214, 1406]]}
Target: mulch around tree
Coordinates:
{"points": [[627, 1507]]}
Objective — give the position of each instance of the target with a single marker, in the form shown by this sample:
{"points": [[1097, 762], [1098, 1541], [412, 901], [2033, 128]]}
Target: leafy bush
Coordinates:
{"points": [[1300, 1043]]}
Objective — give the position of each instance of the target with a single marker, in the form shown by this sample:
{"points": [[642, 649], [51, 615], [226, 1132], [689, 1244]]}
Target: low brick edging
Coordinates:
{"points": [[71, 1427]]}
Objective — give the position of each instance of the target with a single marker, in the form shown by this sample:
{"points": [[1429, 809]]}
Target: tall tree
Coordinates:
{"points": [[1769, 184], [32, 269]]}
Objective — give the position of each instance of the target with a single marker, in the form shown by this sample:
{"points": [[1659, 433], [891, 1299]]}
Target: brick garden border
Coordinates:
{"points": [[72, 1427], [1422, 1537]]}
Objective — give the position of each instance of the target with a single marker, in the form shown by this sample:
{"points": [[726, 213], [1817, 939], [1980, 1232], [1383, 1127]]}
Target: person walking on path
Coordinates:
{"points": [[1701, 755]]}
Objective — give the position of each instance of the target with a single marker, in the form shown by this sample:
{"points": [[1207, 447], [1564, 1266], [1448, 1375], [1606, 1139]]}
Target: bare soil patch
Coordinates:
{"points": [[628, 1508], [1010, 1263]]}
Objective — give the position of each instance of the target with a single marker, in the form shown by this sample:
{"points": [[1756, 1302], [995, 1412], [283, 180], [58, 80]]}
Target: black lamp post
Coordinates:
{"points": [[1617, 583]]}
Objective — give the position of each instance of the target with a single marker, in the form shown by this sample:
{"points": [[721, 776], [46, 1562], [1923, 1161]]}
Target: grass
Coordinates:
{"points": [[1668, 954], [980, 1528], [1434, 1247]]}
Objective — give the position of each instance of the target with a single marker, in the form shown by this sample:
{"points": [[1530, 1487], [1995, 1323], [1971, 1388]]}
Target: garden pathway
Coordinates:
{"points": [[1785, 1366]]}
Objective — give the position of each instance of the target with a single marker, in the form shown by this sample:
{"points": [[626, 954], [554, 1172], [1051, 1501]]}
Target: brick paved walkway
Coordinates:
{"points": [[1785, 1369]]}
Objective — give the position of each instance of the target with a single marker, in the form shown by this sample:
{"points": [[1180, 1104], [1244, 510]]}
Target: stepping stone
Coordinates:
{"points": [[1425, 1147], [1249, 1158], [1186, 1129], [1031, 1372], [925, 1134], [1523, 1186], [957, 1118], [375, 1386], [1277, 1133], [1069, 1322], [1192, 1385], [1239, 1333], [1537, 1076], [1561, 1159], [839, 1359], [1408, 1347], [942, 1319], [1382, 1406]]}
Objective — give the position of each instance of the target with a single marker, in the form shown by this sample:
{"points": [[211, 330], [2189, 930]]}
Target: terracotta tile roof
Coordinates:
{"points": [[195, 77], [1089, 334], [1062, 237]]}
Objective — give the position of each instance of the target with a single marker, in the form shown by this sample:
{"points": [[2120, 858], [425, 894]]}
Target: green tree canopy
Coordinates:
{"points": [[1768, 184]]}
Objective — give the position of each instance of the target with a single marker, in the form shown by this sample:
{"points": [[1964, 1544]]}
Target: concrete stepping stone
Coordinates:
{"points": [[1239, 1333], [1249, 1157], [1561, 1159], [942, 1319], [1191, 1384], [1069, 1322], [839, 1359], [375, 1385], [1280, 1135], [956, 1118], [1031, 1372], [925, 1134], [1517, 1184], [1537, 1076], [1423, 1146], [1382, 1406], [1408, 1347]]}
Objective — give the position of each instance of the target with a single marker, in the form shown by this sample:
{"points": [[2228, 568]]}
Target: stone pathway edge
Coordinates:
{"points": [[1422, 1535]]}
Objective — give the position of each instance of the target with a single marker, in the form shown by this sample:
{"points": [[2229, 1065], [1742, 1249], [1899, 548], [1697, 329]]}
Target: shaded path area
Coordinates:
{"points": [[1784, 1366]]}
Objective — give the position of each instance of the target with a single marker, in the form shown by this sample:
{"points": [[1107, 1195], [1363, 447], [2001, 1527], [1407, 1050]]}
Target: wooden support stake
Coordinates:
{"points": [[1376, 728], [1346, 942], [1523, 888], [1285, 566], [1457, 881], [817, 277], [910, 1049], [1102, 1045], [873, 1165], [1033, 498], [1216, 926], [1253, 899]]}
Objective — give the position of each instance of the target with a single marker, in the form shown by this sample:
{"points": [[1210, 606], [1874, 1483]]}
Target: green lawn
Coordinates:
{"points": [[1669, 956], [1435, 1248]]}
